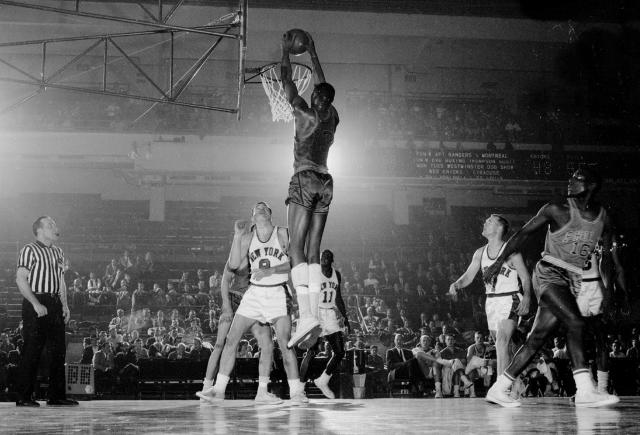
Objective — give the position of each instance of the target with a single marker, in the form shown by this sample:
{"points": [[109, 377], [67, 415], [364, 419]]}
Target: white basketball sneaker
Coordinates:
{"points": [[323, 383], [501, 397], [303, 327], [266, 398], [299, 397], [211, 396], [592, 399]]}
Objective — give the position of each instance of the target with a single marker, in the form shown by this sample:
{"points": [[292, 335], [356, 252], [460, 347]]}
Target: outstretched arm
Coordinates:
{"points": [[544, 216], [468, 275], [610, 265]]}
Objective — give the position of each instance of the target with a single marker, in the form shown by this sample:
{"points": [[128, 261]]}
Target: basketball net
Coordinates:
{"points": [[281, 110]]}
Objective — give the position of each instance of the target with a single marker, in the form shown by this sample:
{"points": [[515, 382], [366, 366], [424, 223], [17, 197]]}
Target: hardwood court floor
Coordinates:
{"points": [[343, 416]]}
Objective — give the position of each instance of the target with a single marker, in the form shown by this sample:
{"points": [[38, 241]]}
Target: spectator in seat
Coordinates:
{"points": [[140, 298], [402, 364], [125, 260], [87, 351], [409, 336], [123, 298], [374, 360], [140, 351], [194, 328], [103, 360], [202, 297], [172, 296], [110, 272], [119, 321], [114, 338], [451, 364], [199, 352], [616, 350], [211, 324], [158, 297], [560, 349], [371, 320], [243, 350], [180, 352], [634, 352], [126, 364], [371, 284]]}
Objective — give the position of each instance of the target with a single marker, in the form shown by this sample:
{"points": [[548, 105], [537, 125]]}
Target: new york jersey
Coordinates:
{"points": [[263, 255], [507, 280], [328, 290]]}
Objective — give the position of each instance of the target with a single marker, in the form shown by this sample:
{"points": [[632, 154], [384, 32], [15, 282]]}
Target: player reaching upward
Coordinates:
{"points": [[265, 301], [310, 188], [574, 228], [504, 300], [330, 301]]}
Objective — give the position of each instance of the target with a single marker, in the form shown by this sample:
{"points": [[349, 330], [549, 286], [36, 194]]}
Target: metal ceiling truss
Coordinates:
{"points": [[231, 26]]}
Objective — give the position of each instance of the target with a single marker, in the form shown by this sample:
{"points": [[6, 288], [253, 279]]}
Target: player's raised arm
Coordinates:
{"points": [[318, 74], [240, 244], [288, 84]]}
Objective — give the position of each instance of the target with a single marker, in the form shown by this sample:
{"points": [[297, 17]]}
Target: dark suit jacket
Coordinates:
{"points": [[394, 359]]}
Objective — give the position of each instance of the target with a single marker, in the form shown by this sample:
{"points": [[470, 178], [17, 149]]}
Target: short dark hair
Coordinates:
{"points": [[504, 222], [591, 175], [38, 224], [327, 89]]}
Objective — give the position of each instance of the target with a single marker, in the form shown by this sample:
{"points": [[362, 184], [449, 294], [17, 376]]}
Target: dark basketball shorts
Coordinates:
{"points": [[548, 276], [312, 190]]}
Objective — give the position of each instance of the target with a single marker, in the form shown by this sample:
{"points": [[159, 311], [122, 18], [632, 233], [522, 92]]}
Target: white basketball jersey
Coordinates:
{"points": [[507, 280], [263, 255], [328, 291]]}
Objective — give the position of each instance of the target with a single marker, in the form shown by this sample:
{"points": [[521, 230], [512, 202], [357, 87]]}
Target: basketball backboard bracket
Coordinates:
{"points": [[232, 26]]}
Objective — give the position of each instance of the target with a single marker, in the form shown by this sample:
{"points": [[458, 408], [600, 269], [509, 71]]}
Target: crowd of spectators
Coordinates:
{"points": [[371, 116]]}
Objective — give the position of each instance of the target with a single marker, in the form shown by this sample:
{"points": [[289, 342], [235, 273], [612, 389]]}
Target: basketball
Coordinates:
{"points": [[298, 41]]}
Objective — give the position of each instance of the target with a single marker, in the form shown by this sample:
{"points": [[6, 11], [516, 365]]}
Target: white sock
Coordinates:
{"points": [[295, 386], [263, 382], [207, 383], [315, 281], [583, 380], [300, 280], [503, 382], [324, 377], [603, 381], [221, 383]]}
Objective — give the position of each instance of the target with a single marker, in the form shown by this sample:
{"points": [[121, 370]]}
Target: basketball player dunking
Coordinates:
{"points": [[310, 188], [574, 229], [265, 301], [504, 301], [330, 301]]}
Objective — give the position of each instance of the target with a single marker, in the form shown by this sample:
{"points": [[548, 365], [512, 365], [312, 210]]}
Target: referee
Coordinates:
{"points": [[44, 312]]}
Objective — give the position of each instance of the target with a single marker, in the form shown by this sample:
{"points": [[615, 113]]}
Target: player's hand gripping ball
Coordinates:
{"points": [[296, 41]]}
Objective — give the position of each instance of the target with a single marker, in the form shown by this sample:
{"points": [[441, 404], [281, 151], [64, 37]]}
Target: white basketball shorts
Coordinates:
{"points": [[499, 308], [589, 298], [328, 321], [264, 304]]}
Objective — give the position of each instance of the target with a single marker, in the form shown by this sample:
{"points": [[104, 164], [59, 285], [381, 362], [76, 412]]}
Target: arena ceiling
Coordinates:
{"points": [[615, 11]]}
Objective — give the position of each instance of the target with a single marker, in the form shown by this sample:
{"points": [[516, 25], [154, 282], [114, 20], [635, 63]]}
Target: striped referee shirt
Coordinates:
{"points": [[45, 265]]}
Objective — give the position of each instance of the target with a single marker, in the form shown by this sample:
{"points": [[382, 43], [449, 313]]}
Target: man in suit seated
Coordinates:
{"points": [[402, 364]]}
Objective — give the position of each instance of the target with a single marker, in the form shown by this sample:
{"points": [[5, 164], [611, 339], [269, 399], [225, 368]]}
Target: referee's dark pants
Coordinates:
{"points": [[38, 332]]}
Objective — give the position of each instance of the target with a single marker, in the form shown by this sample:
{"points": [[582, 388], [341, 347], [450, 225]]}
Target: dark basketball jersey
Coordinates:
{"points": [[312, 151]]}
